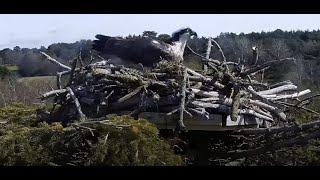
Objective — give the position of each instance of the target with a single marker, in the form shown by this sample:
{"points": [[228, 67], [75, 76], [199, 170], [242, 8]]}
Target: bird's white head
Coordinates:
{"points": [[183, 33], [179, 40]]}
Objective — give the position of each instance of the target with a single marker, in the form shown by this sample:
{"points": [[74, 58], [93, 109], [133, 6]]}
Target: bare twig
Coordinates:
{"points": [[74, 65], [59, 74], [216, 62], [55, 61], [278, 89], [84, 127], [52, 93], [204, 64], [220, 50], [76, 101], [183, 100]]}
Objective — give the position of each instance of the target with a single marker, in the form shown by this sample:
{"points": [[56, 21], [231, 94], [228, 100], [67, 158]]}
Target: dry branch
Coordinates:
{"points": [[281, 84], [73, 68], [291, 96], [278, 89], [220, 50], [55, 61], [204, 64], [78, 106], [183, 99], [205, 93], [52, 93]]}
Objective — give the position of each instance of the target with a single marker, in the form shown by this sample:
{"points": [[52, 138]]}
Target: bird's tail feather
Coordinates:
{"points": [[99, 44]]}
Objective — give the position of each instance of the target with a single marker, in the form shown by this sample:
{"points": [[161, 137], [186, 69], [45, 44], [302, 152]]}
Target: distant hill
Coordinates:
{"points": [[302, 45]]}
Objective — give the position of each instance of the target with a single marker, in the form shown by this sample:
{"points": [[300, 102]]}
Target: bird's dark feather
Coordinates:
{"points": [[136, 50]]}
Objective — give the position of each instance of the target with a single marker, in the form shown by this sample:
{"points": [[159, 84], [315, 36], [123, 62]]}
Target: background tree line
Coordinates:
{"points": [[302, 45]]}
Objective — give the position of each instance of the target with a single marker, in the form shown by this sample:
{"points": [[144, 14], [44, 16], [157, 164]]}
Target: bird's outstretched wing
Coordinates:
{"points": [[137, 50]]}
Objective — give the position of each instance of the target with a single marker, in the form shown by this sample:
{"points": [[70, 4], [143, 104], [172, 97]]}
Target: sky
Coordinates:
{"points": [[35, 30]]}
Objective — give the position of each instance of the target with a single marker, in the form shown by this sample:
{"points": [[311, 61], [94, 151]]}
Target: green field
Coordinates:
{"points": [[11, 67], [49, 79]]}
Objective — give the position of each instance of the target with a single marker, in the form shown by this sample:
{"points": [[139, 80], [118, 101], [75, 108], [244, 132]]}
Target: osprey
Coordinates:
{"points": [[142, 50]]}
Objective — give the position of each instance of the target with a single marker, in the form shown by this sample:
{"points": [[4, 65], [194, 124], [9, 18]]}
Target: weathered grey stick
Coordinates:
{"points": [[256, 114], [204, 64], [200, 113], [216, 107], [220, 50], [278, 89], [183, 99], [280, 84], [272, 109], [59, 75], [216, 62], [52, 93], [290, 96], [134, 92], [194, 73], [78, 106], [73, 68], [205, 93], [55, 61]]}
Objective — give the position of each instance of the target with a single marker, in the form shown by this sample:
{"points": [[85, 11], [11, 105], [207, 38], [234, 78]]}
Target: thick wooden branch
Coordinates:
{"points": [[274, 110], [55, 61], [210, 99], [204, 64], [194, 73], [219, 108], [201, 112], [291, 96], [183, 100], [78, 106], [134, 92], [280, 84], [235, 103], [206, 93], [253, 83], [258, 110], [52, 93], [278, 90], [255, 114]]}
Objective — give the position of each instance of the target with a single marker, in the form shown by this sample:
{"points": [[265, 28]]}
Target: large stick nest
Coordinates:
{"points": [[227, 88]]}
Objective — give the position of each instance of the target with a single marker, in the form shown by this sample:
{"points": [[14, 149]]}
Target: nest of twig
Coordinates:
{"points": [[226, 88]]}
